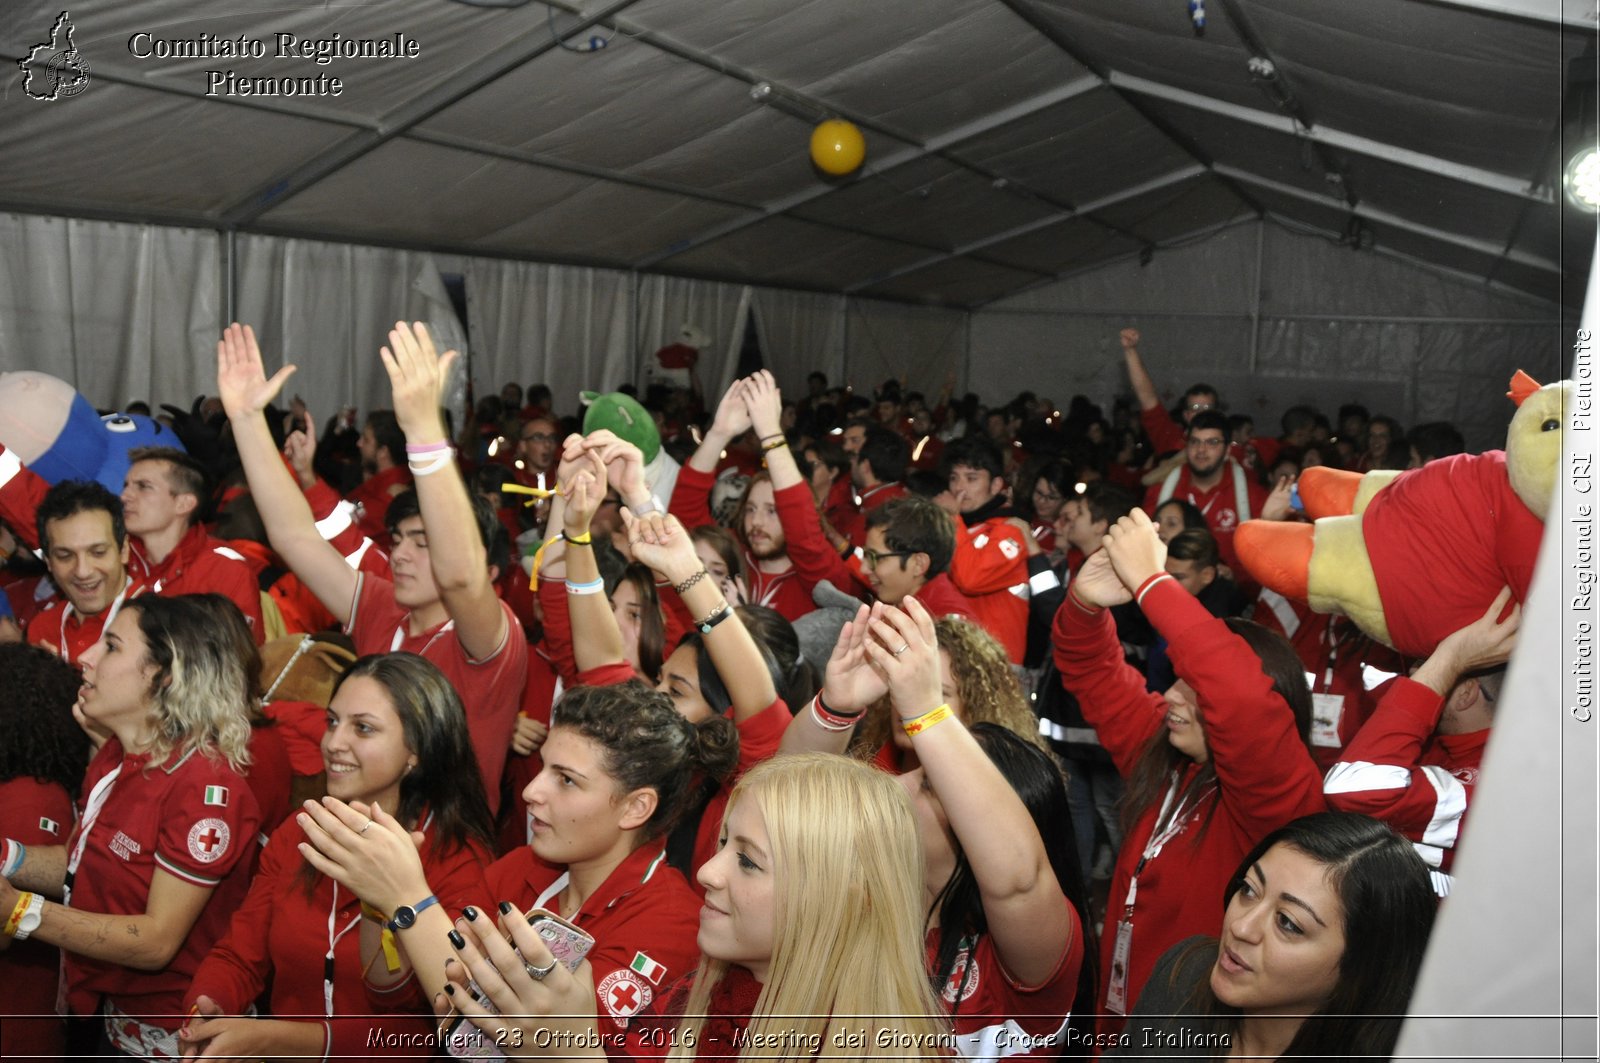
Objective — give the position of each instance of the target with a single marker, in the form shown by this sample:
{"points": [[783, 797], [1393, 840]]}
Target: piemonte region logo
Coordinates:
{"points": [[55, 70]]}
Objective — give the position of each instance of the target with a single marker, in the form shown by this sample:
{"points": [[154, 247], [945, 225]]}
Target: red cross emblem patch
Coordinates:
{"points": [[624, 994], [208, 840]]}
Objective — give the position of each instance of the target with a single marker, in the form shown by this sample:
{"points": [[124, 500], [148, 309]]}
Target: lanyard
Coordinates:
{"points": [[1180, 819], [553, 890], [400, 636], [97, 802], [334, 939]]}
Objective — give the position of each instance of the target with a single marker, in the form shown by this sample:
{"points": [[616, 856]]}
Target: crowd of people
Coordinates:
{"points": [[837, 725]]}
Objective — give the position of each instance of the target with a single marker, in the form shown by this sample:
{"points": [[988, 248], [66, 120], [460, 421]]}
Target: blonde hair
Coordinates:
{"points": [[985, 682], [199, 698], [848, 977]]}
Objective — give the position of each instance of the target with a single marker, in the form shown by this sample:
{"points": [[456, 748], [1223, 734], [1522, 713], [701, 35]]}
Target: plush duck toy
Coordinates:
{"points": [[1412, 556]]}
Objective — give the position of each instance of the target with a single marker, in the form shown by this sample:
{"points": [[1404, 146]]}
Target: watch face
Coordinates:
{"points": [[404, 916]]}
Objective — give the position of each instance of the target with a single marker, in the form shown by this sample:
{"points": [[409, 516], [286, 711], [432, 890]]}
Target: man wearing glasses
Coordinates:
{"points": [[1217, 485]]}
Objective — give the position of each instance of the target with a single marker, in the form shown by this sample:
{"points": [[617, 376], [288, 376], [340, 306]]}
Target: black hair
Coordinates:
{"points": [[1038, 781], [647, 743], [975, 452], [1436, 439], [712, 689], [925, 483], [70, 497], [831, 454], [496, 541], [773, 631], [1207, 419], [887, 451], [1192, 517], [42, 740], [1197, 545], [387, 434], [916, 525], [1296, 418], [1107, 501], [1389, 906]]}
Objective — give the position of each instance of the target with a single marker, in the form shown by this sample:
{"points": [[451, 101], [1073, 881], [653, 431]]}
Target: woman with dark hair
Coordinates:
{"points": [[1005, 939], [1177, 515], [1324, 931], [636, 603], [163, 853], [797, 678], [1050, 487], [396, 739], [42, 756], [1212, 765], [718, 551], [618, 769]]}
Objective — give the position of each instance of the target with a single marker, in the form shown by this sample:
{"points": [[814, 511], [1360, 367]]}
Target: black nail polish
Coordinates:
{"points": [[457, 941], [470, 912], [505, 907], [450, 987]]}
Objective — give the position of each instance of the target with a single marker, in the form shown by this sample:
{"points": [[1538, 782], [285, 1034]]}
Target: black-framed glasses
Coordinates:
{"points": [[539, 437], [871, 557]]}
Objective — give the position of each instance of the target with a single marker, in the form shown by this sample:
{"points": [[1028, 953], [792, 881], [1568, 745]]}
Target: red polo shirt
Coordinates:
{"points": [[490, 689], [195, 818], [68, 632], [643, 909]]}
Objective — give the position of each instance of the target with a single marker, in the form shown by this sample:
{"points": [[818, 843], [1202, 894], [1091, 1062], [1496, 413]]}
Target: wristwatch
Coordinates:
{"points": [[405, 916]]}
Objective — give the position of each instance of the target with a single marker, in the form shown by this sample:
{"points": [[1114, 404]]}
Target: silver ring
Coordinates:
{"points": [[902, 649], [364, 827], [538, 974]]}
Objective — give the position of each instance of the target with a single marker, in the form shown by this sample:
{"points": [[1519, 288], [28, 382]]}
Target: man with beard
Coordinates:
{"points": [[773, 579], [383, 447], [990, 565], [1217, 485]]}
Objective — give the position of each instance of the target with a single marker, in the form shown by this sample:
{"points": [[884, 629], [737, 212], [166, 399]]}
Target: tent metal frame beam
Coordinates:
{"points": [[1579, 14], [935, 145], [448, 91], [1153, 185], [1394, 221], [1416, 160]]}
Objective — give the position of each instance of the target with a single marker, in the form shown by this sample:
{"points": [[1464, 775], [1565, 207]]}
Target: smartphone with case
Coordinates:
{"points": [[566, 942]]}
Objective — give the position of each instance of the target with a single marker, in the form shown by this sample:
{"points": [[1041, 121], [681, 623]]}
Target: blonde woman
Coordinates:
{"points": [[164, 851], [810, 938], [975, 679]]}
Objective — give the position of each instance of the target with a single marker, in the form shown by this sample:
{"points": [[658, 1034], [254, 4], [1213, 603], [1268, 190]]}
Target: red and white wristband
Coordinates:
{"points": [[1144, 588], [829, 720]]}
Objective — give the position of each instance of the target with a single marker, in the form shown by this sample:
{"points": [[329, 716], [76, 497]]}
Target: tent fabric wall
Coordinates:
{"points": [[1309, 322], [801, 333], [924, 345], [124, 311]]}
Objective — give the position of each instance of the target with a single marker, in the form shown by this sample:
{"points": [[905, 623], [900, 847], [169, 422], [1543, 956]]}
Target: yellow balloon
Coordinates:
{"points": [[837, 147]]}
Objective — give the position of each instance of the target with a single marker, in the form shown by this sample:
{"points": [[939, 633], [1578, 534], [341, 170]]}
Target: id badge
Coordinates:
{"points": [[1117, 993], [1327, 710]]}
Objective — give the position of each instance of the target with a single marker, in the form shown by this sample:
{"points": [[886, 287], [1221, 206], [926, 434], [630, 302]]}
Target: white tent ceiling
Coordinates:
{"points": [[1009, 141]]}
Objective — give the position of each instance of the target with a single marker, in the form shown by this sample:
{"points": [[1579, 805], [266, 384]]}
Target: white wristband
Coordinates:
{"points": [[12, 853]]}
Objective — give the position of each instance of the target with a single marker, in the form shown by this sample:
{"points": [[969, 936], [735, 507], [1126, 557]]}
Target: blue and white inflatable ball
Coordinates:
{"points": [[55, 432]]}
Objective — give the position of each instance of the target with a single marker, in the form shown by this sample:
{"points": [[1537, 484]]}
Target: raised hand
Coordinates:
{"points": [[659, 541], [624, 465], [904, 649], [242, 383], [765, 403], [850, 683], [1135, 548], [1488, 641], [1097, 583], [1276, 507], [417, 375], [584, 489], [732, 418], [1129, 338], [300, 447]]}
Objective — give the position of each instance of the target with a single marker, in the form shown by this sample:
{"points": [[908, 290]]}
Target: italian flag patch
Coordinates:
{"points": [[49, 826], [648, 967], [217, 795]]}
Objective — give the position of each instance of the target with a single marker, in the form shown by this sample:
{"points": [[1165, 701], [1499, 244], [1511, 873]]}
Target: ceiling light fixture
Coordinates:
{"points": [[1581, 179]]}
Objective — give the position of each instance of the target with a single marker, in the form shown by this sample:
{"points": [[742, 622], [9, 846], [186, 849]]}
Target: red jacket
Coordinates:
{"points": [[279, 936], [1398, 770], [200, 564], [988, 1006], [372, 497], [990, 567], [1166, 435], [783, 591], [1265, 774]]}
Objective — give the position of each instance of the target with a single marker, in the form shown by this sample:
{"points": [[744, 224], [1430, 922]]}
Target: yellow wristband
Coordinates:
{"points": [[15, 919], [584, 540], [928, 719]]}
